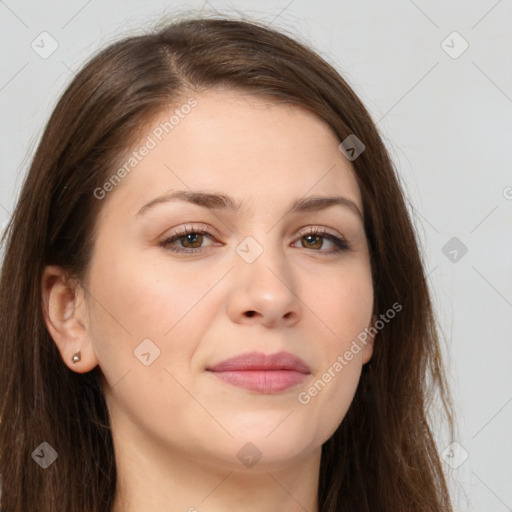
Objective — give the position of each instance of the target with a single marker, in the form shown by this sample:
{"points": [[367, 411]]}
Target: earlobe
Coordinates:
{"points": [[65, 318]]}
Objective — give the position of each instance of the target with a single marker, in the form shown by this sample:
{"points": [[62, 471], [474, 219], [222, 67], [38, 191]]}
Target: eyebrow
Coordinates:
{"points": [[216, 201]]}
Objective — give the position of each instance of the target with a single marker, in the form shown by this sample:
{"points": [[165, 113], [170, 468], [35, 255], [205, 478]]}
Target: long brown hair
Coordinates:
{"points": [[383, 456]]}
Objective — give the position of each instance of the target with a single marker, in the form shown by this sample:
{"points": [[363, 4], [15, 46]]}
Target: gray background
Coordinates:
{"points": [[446, 117]]}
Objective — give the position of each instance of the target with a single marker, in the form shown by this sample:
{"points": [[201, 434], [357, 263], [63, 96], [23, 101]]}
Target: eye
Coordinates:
{"points": [[191, 240], [313, 238]]}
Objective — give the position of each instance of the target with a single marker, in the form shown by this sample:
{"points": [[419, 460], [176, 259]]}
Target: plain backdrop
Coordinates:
{"points": [[437, 79]]}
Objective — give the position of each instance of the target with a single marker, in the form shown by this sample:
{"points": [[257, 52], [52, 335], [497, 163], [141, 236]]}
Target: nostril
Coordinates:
{"points": [[250, 313]]}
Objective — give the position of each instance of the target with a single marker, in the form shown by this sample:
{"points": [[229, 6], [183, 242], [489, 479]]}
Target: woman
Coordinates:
{"points": [[212, 295]]}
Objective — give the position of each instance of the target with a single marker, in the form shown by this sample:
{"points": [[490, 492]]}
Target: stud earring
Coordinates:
{"points": [[76, 357]]}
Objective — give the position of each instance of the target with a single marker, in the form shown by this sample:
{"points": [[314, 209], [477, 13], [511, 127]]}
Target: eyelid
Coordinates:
{"points": [[189, 228], [316, 230], [198, 227]]}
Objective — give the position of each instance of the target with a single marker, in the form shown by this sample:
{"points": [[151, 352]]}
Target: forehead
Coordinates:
{"points": [[258, 151]]}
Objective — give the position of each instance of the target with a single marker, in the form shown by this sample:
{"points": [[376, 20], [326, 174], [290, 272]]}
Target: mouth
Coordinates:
{"points": [[262, 373]]}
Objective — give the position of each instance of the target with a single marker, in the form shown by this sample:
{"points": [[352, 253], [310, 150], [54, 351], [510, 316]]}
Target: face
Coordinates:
{"points": [[177, 286]]}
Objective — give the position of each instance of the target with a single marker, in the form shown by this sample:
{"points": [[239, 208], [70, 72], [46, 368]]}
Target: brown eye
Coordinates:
{"points": [[313, 242], [190, 240], [195, 239], [313, 238]]}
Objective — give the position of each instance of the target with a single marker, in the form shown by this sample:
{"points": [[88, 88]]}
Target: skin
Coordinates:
{"points": [[177, 428]]}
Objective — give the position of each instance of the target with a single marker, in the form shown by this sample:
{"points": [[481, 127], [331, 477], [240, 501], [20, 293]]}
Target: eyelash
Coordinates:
{"points": [[341, 244]]}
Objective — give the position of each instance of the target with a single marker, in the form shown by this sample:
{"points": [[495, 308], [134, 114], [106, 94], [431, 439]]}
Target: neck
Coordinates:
{"points": [[155, 479]]}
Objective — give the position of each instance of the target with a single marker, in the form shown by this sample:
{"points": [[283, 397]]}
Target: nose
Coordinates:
{"points": [[265, 292]]}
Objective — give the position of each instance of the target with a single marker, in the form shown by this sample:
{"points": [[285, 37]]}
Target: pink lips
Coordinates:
{"points": [[262, 373]]}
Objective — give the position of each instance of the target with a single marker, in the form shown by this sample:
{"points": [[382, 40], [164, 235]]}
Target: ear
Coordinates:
{"points": [[65, 314], [369, 342]]}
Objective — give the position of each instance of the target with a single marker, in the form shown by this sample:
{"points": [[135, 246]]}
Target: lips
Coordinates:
{"points": [[261, 372]]}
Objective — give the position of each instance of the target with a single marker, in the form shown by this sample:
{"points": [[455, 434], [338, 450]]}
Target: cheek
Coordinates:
{"points": [[149, 294], [344, 302], [345, 308], [157, 301]]}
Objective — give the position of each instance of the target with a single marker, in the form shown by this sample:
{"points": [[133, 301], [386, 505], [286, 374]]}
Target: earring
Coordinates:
{"points": [[76, 357]]}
